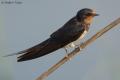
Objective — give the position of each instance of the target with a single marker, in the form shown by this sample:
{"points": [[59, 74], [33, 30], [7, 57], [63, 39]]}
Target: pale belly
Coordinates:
{"points": [[84, 33]]}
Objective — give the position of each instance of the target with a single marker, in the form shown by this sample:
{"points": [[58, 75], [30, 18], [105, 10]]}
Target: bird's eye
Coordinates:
{"points": [[88, 14]]}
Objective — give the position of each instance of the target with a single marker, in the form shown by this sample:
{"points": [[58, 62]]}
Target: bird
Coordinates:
{"points": [[74, 29]]}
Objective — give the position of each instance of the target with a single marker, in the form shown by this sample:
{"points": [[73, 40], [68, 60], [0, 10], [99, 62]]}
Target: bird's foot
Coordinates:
{"points": [[78, 46], [67, 56]]}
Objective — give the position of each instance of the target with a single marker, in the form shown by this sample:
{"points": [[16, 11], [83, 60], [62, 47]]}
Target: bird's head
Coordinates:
{"points": [[86, 15]]}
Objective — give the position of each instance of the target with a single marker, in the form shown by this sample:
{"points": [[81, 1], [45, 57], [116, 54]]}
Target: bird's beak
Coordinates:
{"points": [[95, 14]]}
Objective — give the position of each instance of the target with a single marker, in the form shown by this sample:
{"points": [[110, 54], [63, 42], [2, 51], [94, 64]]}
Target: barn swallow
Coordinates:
{"points": [[71, 31]]}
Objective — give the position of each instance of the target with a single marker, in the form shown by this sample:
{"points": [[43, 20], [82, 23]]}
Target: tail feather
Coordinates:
{"points": [[21, 52], [40, 50]]}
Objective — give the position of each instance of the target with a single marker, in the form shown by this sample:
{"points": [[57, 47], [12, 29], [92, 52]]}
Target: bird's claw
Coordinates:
{"points": [[68, 57]]}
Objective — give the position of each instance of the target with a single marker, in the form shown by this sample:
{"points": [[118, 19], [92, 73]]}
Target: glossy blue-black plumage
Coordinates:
{"points": [[70, 32]]}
